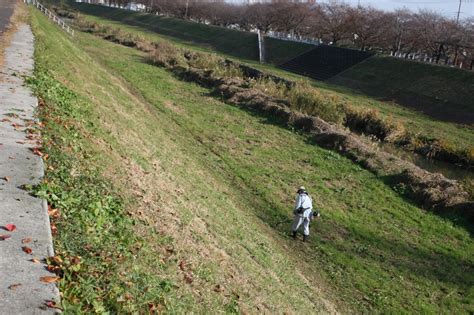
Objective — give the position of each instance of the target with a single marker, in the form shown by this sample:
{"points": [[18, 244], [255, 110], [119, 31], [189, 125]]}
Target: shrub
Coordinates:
{"points": [[166, 55]]}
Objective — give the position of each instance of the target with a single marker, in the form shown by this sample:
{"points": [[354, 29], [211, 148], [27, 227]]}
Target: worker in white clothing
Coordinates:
{"points": [[303, 213]]}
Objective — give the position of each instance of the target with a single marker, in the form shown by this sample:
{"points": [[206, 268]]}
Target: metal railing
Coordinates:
{"points": [[51, 16]]}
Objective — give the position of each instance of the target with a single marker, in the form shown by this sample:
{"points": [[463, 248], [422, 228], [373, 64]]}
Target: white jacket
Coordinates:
{"points": [[303, 200]]}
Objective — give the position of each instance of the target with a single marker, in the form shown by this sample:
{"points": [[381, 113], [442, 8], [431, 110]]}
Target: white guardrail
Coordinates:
{"points": [[51, 16]]}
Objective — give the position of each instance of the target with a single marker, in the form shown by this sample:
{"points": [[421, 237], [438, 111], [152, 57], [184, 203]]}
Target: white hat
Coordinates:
{"points": [[302, 188]]}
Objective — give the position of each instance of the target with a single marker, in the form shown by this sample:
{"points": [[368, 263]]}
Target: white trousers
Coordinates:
{"points": [[298, 221]]}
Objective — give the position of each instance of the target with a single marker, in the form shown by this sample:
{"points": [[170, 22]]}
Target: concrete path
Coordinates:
{"points": [[21, 291], [6, 10]]}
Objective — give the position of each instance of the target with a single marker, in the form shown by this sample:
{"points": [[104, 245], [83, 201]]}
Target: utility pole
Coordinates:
{"points": [[459, 11], [186, 11]]}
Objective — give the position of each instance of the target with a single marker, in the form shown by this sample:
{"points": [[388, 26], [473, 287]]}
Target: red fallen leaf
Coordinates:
{"points": [[37, 151], [4, 237], [26, 240], [10, 227], [14, 286], [53, 269], [20, 142], [155, 308], [52, 304], [54, 229], [75, 260], [5, 120], [188, 278], [27, 250], [35, 260], [16, 126], [182, 265], [6, 178], [49, 279]]}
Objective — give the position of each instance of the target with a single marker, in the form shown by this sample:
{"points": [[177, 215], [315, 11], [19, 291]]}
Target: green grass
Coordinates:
{"points": [[217, 182], [442, 92], [231, 42], [459, 136]]}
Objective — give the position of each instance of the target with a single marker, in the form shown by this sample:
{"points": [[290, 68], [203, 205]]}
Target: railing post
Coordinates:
{"points": [[52, 16]]}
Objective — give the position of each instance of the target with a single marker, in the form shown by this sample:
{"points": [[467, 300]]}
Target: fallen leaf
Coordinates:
{"points": [[37, 151], [52, 304], [182, 265], [53, 269], [6, 178], [188, 278], [20, 142], [5, 120], [10, 227], [27, 250], [56, 259], [75, 260], [54, 213], [14, 286], [49, 279], [11, 157], [4, 237], [35, 260], [54, 229], [26, 240]]}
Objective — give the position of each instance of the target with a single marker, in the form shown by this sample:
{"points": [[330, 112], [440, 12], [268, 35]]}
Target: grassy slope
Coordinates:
{"points": [[230, 254], [232, 42], [428, 87], [460, 136], [217, 181]]}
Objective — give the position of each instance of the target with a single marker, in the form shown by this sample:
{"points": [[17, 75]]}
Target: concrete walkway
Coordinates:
{"points": [[21, 291]]}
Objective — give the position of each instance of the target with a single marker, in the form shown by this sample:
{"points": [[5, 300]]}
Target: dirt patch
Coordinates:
{"points": [[174, 107]]}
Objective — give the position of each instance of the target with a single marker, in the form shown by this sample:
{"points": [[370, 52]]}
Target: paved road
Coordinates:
{"points": [[6, 10], [21, 290]]}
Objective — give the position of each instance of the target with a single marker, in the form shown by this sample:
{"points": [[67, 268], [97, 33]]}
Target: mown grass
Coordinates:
{"points": [[266, 169], [442, 92], [454, 137], [103, 144], [221, 182], [232, 42], [96, 238]]}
